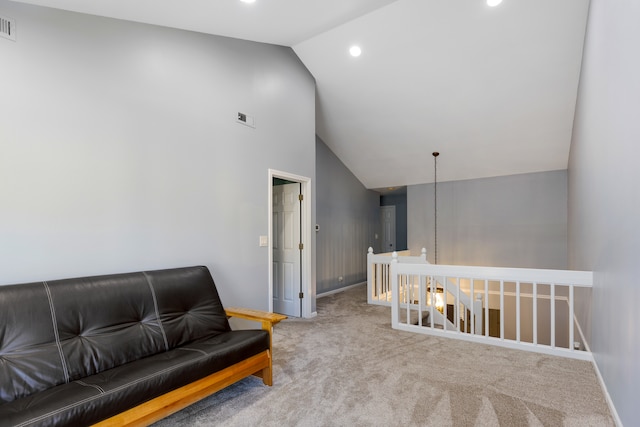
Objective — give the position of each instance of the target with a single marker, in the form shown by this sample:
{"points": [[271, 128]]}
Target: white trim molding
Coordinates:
{"points": [[305, 235], [337, 291]]}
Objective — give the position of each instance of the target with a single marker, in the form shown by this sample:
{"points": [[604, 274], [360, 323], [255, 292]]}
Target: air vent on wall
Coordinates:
{"points": [[7, 28]]}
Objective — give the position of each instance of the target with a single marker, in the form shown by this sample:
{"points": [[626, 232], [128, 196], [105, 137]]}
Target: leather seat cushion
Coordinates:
{"points": [[102, 395]]}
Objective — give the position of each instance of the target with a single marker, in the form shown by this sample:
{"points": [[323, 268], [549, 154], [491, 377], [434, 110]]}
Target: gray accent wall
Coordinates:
{"points": [[604, 198], [120, 149], [349, 217], [509, 221]]}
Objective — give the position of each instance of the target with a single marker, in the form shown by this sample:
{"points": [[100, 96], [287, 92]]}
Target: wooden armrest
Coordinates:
{"points": [[255, 315], [267, 320]]}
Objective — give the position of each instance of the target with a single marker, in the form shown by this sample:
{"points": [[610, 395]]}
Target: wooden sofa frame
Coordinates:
{"points": [[162, 406]]}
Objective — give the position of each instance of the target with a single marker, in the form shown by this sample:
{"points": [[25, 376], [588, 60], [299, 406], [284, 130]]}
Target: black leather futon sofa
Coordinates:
{"points": [[122, 349]]}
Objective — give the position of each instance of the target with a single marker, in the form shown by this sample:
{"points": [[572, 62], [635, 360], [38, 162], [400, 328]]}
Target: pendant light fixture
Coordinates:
{"points": [[435, 205]]}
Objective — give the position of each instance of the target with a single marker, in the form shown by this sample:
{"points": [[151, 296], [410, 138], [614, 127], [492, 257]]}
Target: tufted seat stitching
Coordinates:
{"points": [[97, 387], [55, 332], [115, 390], [155, 305], [192, 349]]}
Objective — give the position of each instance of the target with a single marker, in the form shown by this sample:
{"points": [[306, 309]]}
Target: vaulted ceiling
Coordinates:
{"points": [[493, 89]]}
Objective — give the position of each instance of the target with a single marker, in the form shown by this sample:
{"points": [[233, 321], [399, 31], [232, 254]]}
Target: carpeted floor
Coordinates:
{"points": [[347, 367]]}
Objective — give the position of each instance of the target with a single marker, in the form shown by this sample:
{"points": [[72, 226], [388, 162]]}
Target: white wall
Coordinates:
{"points": [[120, 150], [509, 221], [604, 199]]}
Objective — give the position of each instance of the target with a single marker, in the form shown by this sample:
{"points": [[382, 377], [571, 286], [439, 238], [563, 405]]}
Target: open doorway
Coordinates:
{"points": [[393, 212], [290, 244]]}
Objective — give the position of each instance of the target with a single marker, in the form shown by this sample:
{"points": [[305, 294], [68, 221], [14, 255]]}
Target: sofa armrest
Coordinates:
{"points": [[265, 318]]}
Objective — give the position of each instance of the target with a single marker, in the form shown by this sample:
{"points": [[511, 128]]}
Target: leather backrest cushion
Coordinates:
{"points": [[29, 357], [101, 322], [189, 304], [105, 321]]}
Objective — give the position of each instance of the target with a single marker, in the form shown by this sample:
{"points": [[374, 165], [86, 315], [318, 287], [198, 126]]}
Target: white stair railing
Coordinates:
{"points": [[519, 308], [379, 288], [378, 275]]}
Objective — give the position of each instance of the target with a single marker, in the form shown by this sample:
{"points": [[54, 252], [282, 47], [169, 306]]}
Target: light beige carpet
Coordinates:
{"points": [[347, 367]]}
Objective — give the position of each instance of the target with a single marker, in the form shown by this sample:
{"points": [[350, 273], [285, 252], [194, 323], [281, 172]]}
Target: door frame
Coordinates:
{"points": [[305, 236]]}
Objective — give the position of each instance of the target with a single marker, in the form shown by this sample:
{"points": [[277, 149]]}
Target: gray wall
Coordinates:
{"points": [[120, 150], [400, 202], [348, 215], [511, 221], [604, 199]]}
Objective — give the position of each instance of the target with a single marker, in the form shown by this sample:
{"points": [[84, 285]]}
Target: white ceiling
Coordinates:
{"points": [[492, 89]]}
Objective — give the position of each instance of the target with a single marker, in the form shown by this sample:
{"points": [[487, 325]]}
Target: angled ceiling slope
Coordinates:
{"points": [[280, 22], [492, 89]]}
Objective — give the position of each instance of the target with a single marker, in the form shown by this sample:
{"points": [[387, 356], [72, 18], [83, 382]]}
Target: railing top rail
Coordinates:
{"points": [[390, 254], [527, 275], [403, 256]]}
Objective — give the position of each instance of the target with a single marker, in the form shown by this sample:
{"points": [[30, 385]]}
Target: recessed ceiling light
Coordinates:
{"points": [[493, 3], [355, 51], [248, 1]]}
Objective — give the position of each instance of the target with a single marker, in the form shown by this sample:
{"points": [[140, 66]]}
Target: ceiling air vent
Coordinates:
{"points": [[7, 28]]}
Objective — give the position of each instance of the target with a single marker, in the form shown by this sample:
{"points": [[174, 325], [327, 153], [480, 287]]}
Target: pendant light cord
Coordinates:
{"points": [[435, 205]]}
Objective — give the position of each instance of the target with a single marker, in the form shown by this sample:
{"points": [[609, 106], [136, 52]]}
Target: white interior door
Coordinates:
{"points": [[388, 214], [286, 250]]}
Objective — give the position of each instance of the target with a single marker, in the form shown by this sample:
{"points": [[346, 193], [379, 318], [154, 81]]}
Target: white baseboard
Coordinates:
{"points": [[612, 408], [336, 291]]}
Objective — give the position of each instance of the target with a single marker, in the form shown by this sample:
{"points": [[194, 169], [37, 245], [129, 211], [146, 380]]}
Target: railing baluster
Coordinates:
{"points": [[385, 281], [407, 294], [432, 284], [379, 273], [377, 281], [444, 300], [378, 268], [502, 310], [473, 305], [456, 310], [518, 311], [371, 277], [395, 300], [486, 308], [571, 319], [382, 279], [535, 313], [421, 286], [553, 315]]}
